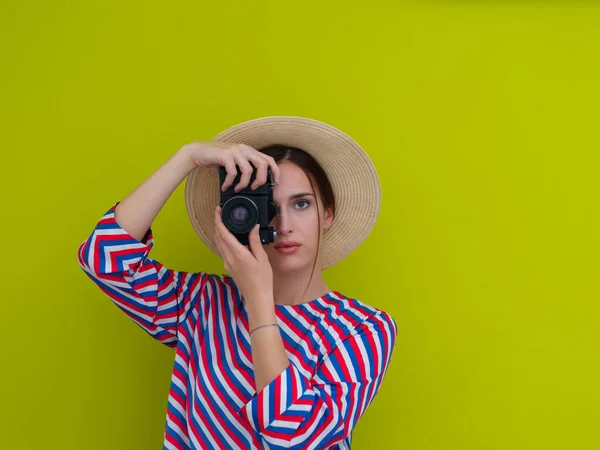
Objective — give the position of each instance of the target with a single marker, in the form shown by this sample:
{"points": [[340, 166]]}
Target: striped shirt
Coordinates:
{"points": [[339, 350]]}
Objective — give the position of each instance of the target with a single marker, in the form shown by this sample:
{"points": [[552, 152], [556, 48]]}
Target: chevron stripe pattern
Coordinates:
{"points": [[339, 350]]}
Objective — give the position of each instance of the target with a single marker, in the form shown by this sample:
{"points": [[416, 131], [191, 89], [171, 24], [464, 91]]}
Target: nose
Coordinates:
{"points": [[282, 223]]}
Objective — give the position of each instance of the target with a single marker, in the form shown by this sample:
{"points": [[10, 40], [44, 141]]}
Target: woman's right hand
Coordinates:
{"points": [[213, 154]]}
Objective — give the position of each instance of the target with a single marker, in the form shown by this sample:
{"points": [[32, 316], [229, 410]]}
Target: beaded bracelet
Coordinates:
{"points": [[260, 326]]}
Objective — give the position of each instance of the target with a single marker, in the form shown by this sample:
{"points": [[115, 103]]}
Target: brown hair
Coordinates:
{"points": [[314, 172]]}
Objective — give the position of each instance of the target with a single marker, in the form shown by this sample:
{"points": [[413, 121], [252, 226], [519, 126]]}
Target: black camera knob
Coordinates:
{"points": [[273, 235]]}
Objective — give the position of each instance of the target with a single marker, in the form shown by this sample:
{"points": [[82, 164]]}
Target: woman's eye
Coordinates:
{"points": [[302, 204]]}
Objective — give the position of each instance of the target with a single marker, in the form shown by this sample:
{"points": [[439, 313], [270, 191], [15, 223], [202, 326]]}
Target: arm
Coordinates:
{"points": [[138, 210], [116, 256], [154, 297], [299, 411], [268, 353]]}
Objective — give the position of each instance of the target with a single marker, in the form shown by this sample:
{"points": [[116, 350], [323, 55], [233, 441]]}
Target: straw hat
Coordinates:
{"points": [[351, 173]]}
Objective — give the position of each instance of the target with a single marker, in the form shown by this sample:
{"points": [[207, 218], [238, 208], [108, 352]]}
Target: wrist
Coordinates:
{"points": [[187, 157], [261, 310], [260, 299]]}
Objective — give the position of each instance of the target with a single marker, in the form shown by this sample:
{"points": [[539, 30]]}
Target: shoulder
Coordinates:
{"points": [[359, 310], [222, 285], [208, 285], [365, 350], [359, 317]]}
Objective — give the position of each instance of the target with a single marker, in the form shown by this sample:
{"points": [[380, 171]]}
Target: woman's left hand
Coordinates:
{"points": [[248, 266]]}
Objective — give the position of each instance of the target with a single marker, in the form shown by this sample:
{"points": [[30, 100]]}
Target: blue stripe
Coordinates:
{"points": [[118, 293], [307, 335], [220, 387], [203, 411], [174, 410], [175, 436], [226, 315]]}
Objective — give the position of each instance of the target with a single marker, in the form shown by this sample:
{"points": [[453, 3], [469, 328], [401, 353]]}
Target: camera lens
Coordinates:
{"points": [[240, 214]]}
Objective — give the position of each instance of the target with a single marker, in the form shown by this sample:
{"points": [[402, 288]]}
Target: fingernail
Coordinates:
{"points": [[256, 227]]}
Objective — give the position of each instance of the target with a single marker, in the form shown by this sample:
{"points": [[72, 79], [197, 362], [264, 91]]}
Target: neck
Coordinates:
{"points": [[289, 288]]}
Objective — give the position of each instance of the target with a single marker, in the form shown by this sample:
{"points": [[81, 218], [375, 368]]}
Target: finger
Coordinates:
{"points": [[224, 250], [261, 170], [229, 164], [246, 170], [276, 173], [219, 244], [261, 159], [274, 167], [229, 242], [255, 245]]}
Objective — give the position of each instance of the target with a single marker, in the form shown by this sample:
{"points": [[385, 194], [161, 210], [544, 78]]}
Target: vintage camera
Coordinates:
{"points": [[242, 210]]}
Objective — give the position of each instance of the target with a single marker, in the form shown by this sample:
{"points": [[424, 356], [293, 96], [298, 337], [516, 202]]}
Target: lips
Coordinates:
{"points": [[287, 244], [287, 248]]}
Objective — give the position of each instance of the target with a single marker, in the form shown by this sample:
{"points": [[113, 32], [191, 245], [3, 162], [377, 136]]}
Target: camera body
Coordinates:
{"points": [[241, 211]]}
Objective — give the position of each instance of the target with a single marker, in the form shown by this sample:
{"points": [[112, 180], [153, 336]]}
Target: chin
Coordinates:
{"points": [[288, 263], [287, 266]]}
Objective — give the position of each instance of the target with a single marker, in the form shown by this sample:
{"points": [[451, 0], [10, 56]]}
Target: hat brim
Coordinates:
{"points": [[351, 173]]}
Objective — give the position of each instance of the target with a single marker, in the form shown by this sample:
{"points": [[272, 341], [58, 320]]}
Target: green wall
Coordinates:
{"points": [[482, 118]]}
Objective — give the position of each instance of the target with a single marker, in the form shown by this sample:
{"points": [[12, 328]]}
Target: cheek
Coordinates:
{"points": [[308, 223]]}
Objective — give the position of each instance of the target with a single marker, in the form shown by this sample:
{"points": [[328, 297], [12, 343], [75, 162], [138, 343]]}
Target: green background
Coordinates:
{"points": [[482, 119]]}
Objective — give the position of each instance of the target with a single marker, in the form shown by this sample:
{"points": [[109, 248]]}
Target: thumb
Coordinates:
{"points": [[254, 239]]}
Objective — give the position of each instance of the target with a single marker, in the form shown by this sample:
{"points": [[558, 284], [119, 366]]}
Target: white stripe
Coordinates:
{"points": [[175, 428], [301, 342], [242, 383], [168, 445], [109, 249], [203, 429], [134, 299], [219, 375], [183, 340], [309, 432]]}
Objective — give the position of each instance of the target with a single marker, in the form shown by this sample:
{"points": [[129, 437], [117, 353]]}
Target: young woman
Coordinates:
{"points": [[267, 356]]}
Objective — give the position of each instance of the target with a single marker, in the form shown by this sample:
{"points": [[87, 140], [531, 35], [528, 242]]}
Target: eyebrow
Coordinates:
{"points": [[303, 194]]}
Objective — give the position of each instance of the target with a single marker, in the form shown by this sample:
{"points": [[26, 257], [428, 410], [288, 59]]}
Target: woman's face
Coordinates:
{"points": [[297, 226]]}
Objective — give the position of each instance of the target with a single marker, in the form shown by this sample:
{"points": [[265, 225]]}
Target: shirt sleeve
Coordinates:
{"points": [[154, 297], [298, 412]]}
